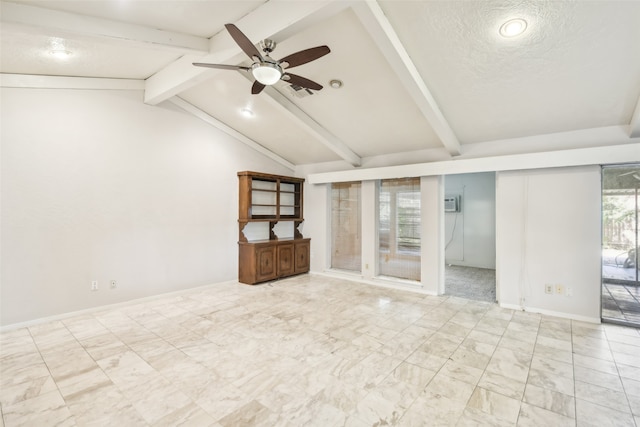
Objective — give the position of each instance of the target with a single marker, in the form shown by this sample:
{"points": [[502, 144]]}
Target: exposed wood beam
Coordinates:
{"points": [[274, 17], [324, 136], [380, 29], [72, 23], [61, 82], [634, 125], [202, 115]]}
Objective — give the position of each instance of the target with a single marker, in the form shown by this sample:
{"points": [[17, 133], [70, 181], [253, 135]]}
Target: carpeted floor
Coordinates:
{"points": [[478, 284]]}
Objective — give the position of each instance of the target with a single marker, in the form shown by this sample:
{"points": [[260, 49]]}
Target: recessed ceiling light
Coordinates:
{"points": [[60, 53], [335, 83], [246, 112], [513, 27]]}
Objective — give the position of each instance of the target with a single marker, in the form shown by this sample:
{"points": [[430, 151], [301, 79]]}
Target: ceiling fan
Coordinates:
{"points": [[266, 70]]}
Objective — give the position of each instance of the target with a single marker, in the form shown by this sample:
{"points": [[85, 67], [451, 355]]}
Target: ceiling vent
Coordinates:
{"points": [[299, 91]]}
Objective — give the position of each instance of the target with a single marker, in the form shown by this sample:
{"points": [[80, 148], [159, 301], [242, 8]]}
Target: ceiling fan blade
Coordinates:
{"points": [[301, 81], [221, 66], [304, 56], [256, 88], [243, 41]]}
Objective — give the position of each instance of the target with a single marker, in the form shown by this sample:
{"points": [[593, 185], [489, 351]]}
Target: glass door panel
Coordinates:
{"points": [[620, 215]]}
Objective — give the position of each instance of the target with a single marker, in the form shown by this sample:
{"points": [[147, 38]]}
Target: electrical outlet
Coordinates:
{"points": [[559, 289], [548, 289], [94, 285], [113, 284], [569, 292]]}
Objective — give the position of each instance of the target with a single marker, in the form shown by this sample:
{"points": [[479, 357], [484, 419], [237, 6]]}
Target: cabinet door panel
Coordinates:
{"points": [[285, 259], [266, 267], [302, 250]]}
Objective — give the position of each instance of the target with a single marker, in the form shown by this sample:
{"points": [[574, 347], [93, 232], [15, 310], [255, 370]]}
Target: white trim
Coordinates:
{"points": [[32, 81], [552, 313], [14, 326], [624, 153]]}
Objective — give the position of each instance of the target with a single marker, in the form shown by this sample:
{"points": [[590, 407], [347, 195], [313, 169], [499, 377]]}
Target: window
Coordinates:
{"points": [[346, 246], [399, 228]]}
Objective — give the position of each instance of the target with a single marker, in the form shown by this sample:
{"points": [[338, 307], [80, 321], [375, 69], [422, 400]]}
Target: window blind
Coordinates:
{"points": [[399, 228], [346, 247]]}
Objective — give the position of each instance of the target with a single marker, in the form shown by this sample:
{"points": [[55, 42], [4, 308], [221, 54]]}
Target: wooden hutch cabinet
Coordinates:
{"points": [[271, 199]]}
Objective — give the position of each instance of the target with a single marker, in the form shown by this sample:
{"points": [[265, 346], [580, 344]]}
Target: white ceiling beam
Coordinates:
{"points": [[563, 158], [32, 81], [271, 18], [195, 111], [380, 29], [71, 23], [634, 125], [324, 136]]}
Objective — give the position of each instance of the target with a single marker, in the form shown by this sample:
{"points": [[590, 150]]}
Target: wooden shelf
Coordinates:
{"points": [[275, 198]]}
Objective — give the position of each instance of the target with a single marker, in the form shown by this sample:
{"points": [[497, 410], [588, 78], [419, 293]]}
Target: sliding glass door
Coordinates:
{"points": [[620, 244]]}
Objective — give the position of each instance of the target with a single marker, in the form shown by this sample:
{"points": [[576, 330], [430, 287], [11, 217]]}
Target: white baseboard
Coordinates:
{"points": [[560, 314], [55, 317]]}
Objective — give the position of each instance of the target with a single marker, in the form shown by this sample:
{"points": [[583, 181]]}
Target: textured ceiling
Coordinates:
{"points": [[423, 80]]}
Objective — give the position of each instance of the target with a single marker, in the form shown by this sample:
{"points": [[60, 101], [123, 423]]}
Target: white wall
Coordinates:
{"points": [[549, 233], [470, 235], [97, 185]]}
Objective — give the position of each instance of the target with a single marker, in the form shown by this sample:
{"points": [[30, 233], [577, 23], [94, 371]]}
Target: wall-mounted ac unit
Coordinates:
{"points": [[452, 203]]}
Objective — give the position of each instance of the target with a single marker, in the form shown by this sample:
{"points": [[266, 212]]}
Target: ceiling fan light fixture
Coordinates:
{"points": [[247, 112], [60, 53], [266, 73], [513, 28]]}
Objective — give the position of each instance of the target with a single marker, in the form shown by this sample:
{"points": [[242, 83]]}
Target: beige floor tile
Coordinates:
{"points": [[560, 403], [534, 416], [494, 404], [551, 381], [48, 409], [509, 363], [602, 379], [315, 351], [593, 415], [602, 396], [503, 385], [472, 417], [13, 394]]}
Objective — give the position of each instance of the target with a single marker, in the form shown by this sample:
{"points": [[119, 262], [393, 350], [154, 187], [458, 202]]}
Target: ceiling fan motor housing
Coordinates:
{"points": [[267, 45]]}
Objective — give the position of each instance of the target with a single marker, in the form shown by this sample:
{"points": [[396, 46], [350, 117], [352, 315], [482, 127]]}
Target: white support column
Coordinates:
{"points": [[432, 233], [369, 229], [634, 125]]}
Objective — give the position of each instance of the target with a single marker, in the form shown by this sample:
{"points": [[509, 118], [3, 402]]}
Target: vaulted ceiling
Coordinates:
{"points": [[422, 80]]}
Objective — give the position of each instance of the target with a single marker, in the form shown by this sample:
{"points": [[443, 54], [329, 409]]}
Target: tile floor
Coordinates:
{"points": [[316, 351]]}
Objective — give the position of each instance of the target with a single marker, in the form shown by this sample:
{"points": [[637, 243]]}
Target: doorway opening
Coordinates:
{"points": [[620, 244], [470, 236]]}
